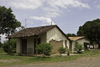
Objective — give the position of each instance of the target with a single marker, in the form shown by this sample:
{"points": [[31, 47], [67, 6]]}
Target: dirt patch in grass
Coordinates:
{"points": [[9, 61]]}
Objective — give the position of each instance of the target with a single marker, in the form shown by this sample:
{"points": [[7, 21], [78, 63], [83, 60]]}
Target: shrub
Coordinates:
{"points": [[61, 50], [12, 48], [0, 44], [78, 47], [44, 48]]}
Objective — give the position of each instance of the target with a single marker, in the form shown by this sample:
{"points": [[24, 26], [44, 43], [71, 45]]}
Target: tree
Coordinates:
{"points": [[71, 35], [78, 47], [8, 22], [0, 44], [91, 29], [12, 46], [44, 48]]}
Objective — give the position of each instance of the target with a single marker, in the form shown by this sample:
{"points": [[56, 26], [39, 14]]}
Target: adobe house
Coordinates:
{"points": [[28, 38], [80, 39]]}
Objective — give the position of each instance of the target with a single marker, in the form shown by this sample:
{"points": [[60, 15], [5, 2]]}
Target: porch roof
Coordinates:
{"points": [[76, 38]]}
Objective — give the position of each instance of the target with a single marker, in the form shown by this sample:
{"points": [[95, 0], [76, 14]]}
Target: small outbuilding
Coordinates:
{"points": [[79, 39], [28, 38]]}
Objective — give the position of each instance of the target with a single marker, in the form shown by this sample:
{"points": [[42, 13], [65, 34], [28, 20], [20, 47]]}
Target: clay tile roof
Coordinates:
{"points": [[32, 31], [76, 38]]}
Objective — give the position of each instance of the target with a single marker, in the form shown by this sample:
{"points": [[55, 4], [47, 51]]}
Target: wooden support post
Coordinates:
{"points": [[9, 46]]}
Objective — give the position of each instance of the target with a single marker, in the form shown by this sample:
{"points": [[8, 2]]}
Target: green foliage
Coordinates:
{"points": [[71, 35], [0, 44], [1, 51], [78, 47], [8, 22], [12, 46], [61, 50], [91, 29], [44, 48]]}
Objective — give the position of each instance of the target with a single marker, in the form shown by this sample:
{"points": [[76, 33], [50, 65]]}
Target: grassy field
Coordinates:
{"points": [[14, 60]]}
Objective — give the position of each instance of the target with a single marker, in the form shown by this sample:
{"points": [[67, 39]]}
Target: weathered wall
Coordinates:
{"points": [[68, 43], [43, 38], [30, 43], [18, 46], [81, 41], [57, 35], [56, 45]]}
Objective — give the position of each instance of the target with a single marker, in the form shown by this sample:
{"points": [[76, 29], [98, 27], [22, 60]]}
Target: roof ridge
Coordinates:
{"points": [[40, 26]]}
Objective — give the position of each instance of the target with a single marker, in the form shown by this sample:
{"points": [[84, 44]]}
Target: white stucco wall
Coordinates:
{"points": [[57, 35], [43, 38], [30, 43], [18, 46], [68, 43], [81, 41]]}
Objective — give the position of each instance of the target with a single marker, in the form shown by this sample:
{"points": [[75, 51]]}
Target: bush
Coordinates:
{"points": [[0, 44], [78, 47], [12, 48], [61, 50], [44, 48]]}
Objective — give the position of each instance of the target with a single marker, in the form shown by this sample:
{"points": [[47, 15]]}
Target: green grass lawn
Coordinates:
{"points": [[14, 60]]}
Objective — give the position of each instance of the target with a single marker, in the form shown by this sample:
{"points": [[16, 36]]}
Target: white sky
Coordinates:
{"points": [[67, 14]]}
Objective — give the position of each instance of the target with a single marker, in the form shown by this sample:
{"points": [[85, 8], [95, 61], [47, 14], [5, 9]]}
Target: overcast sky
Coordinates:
{"points": [[67, 14]]}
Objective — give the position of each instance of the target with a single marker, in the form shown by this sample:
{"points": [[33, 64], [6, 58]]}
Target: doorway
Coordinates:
{"points": [[85, 46], [24, 46], [38, 42]]}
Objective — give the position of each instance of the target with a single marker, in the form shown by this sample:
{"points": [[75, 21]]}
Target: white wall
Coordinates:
{"points": [[43, 38], [73, 44], [57, 35], [18, 46], [30, 43], [68, 43], [81, 41]]}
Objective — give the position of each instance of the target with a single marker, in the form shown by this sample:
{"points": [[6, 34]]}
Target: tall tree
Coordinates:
{"points": [[71, 35], [8, 22], [91, 29]]}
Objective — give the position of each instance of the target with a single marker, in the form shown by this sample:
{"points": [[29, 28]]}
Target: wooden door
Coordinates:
{"points": [[38, 42], [24, 46]]}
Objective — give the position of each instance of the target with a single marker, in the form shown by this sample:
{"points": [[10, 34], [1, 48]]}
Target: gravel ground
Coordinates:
{"points": [[82, 62]]}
